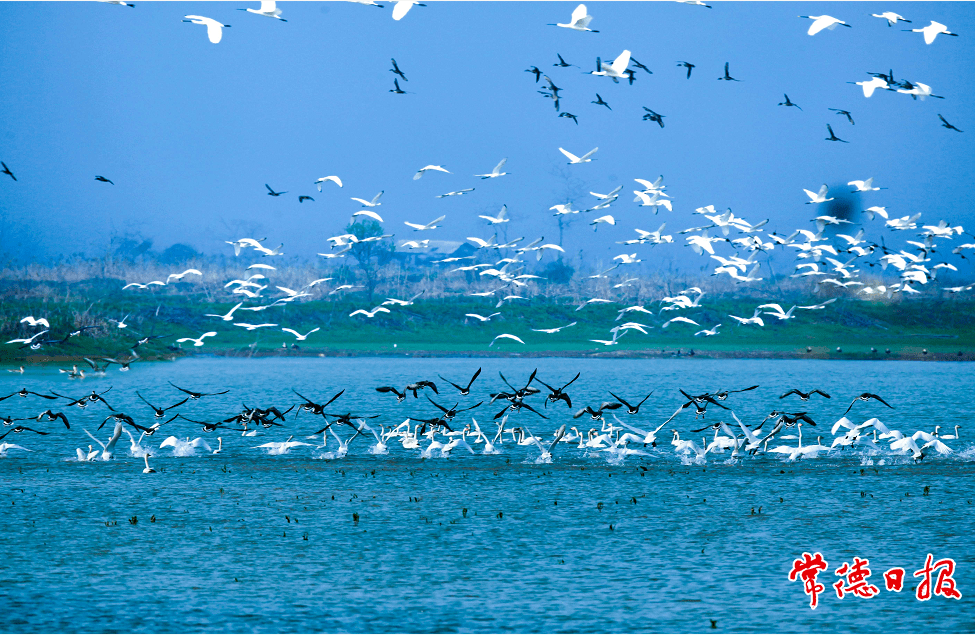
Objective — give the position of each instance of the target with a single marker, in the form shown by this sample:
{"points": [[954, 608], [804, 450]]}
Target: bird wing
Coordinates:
{"points": [[621, 62], [570, 156], [401, 9], [578, 14]]}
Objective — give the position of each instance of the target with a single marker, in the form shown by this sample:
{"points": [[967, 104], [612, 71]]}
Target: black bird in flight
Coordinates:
{"points": [[832, 136], [537, 71], [653, 116], [599, 101], [400, 396], [197, 395], [570, 116], [463, 390], [7, 171], [103, 179], [789, 102], [420, 385], [688, 65], [21, 429], [397, 89], [944, 124], [639, 65], [271, 192], [844, 113], [558, 393], [727, 76], [867, 397], [302, 199], [395, 69], [804, 396], [160, 412], [630, 408], [562, 63]]}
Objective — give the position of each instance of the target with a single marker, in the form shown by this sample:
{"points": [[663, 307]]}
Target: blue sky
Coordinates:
{"points": [[190, 131]]}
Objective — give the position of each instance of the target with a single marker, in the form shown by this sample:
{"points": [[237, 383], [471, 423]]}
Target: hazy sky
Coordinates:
{"points": [[190, 131]]}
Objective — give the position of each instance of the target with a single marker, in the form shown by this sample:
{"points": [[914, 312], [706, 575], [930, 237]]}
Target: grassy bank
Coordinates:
{"points": [[942, 328]]}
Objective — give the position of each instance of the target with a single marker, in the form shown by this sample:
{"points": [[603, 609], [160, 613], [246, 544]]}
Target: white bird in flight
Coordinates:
{"points": [[556, 329], [196, 341], [496, 172], [402, 7], [214, 28], [821, 22], [500, 218], [324, 179], [890, 16], [267, 10], [574, 159], [431, 225], [932, 31], [370, 214], [373, 203], [817, 197], [579, 22], [438, 168], [38, 322], [299, 336], [252, 327], [616, 70], [370, 314], [506, 336], [227, 317]]}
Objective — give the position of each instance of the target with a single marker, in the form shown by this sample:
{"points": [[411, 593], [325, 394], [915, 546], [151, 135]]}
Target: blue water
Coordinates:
{"points": [[247, 542]]}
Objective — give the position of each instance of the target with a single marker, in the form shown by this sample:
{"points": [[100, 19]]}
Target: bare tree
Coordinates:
{"points": [[370, 255]]}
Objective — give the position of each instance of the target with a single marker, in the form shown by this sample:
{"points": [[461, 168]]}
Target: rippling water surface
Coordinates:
{"points": [[244, 541]]}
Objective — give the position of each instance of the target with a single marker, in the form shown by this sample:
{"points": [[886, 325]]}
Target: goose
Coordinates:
{"points": [[196, 341], [579, 21], [821, 22], [326, 179], [867, 397], [148, 469], [102, 179], [298, 336], [945, 124], [464, 390], [496, 172], [832, 137], [573, 159], [214, 29], [268, 9], [421, 171], [727, 76], [506, 336], [402, 7], [616, 70], [420, 227], [932, 31], [789, 102], [373, 203]]}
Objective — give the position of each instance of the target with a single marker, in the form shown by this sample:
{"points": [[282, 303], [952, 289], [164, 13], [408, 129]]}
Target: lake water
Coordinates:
{"points": [[243, 541]]}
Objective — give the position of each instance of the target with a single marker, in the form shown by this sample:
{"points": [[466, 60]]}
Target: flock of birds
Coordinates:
{"points": [[434, 433], [834, 252]]}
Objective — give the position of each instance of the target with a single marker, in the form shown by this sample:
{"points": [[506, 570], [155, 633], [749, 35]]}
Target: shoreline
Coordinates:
{"points": [[816, 353]]}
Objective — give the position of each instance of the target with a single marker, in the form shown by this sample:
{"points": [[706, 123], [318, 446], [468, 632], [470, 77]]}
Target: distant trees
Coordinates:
{"points": [[371, 253]]}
